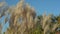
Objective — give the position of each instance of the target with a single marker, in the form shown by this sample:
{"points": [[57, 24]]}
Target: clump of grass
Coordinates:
{"points": [[28, 15]]}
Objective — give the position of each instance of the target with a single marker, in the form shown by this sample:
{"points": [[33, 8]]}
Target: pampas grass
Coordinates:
{"points": [[27, 13], [23, 20]]}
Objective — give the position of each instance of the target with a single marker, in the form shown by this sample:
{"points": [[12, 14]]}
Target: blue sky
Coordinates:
{"points": [[50, 6], [41, 6]]}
